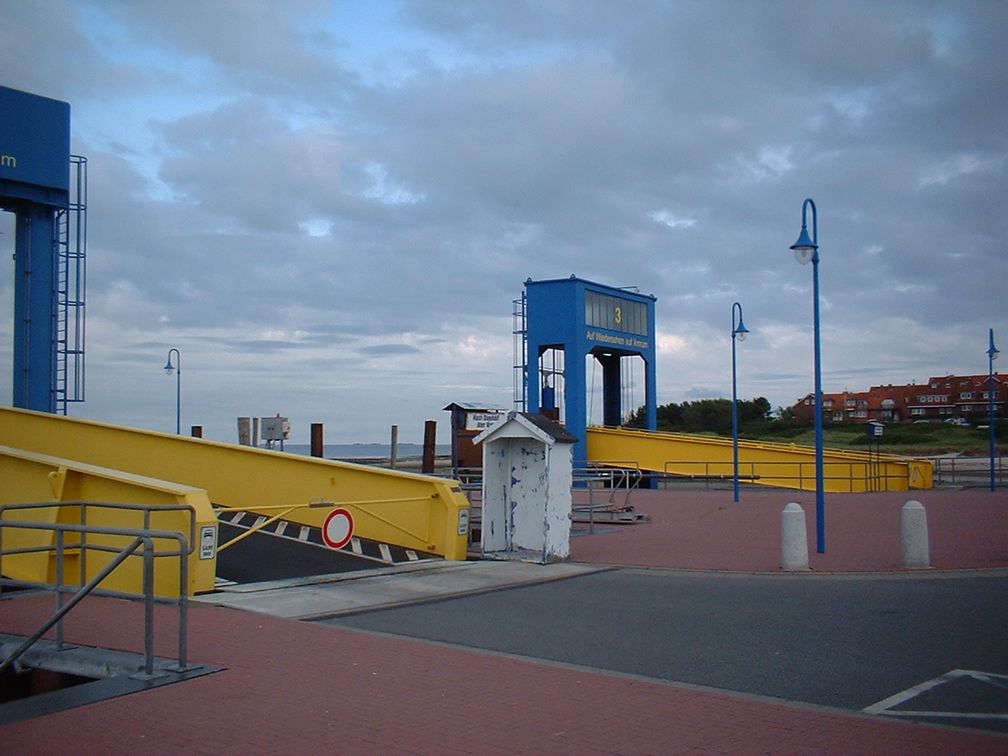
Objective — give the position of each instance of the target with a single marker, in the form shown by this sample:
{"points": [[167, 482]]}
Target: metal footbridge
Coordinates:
{"points": [[682, 455], [73, 464]]}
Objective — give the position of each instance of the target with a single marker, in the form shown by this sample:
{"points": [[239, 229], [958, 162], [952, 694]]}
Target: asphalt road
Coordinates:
{"points": [[840, 641]]}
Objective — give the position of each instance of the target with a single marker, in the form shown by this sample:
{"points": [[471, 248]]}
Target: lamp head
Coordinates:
{"points": [[740, 331], [992, 351], [804, 249], [169, 368]]}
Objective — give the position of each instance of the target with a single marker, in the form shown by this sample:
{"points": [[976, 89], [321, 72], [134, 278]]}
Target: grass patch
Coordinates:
{"points": [[910, 439]]}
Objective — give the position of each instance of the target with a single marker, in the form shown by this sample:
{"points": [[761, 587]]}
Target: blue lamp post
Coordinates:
{"points": [[169, 368], [806, 250], [738, 332], [992, 353]]}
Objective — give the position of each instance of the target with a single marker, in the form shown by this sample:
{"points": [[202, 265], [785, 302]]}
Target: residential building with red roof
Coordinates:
{"points": [[949, 398]]}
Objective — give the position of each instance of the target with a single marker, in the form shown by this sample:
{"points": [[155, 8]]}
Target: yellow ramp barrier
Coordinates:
{"points": [[94, 496], [405, 509], [780, 465]]}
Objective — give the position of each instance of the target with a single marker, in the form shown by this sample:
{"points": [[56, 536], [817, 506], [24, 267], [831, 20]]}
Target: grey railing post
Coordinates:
{"points": [[184, 603], [59, 588], [148, 588]]}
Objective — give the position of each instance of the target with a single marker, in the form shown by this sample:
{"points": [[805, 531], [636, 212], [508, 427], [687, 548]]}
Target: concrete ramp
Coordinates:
{"points": [[418, 512], [761, 463]]}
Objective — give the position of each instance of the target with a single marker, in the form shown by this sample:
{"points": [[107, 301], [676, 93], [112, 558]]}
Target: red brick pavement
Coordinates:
{"points": [[293, 687], [968, 529]]}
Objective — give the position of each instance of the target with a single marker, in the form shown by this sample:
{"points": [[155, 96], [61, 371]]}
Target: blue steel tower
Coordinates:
{"points": [[35, 185], [570, 318]]}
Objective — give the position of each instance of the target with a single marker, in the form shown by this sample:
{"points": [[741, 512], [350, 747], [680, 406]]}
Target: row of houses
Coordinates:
{"points": [[949, 398]]}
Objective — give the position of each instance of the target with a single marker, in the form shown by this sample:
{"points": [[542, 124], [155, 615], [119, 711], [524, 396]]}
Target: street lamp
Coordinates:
{"points": [[169, 368], [806, 250], [992, 353], [738, 331]]}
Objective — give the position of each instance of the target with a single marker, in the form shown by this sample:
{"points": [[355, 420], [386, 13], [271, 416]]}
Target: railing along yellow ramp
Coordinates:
{"points": [[771, 464], [89, 503], [419, 512]]}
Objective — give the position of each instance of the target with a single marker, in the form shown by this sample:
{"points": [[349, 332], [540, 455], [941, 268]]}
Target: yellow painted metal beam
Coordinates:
{"points": [[780, 465], [31, 477], [414, 511]]}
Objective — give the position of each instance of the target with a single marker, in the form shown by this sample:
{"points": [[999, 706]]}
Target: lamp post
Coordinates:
{"points": [[169, 368], [738, 331], [806, 250], [992, 353]]}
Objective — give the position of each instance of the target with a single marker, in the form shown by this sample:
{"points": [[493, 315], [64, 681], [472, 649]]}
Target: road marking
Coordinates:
{"points": [[282, 527], [386, 552], [885, 707], [303, 535]]}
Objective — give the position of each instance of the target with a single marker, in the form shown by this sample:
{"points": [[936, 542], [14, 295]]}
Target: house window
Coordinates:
{"points": [[966, 395], [916, 410], [967, 408], [888, 404]]}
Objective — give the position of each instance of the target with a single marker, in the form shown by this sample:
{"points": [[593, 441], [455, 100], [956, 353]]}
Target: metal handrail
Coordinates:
{"points": [[629, 475], [873, 479], [952, 471], [626, 477], [144, 537], [84, 506]]}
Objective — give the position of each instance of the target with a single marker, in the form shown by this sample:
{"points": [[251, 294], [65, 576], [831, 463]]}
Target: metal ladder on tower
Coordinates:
{"points": [[71, 284], [519, 337]]}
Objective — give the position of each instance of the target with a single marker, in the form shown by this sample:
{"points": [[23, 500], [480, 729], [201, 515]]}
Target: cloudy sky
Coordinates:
{"points": [[328, 207]]}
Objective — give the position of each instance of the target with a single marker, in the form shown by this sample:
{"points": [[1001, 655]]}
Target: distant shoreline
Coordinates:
{"points": [[361, 451]]}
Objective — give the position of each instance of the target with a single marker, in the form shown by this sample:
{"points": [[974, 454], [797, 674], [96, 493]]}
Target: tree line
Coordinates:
{"points": [[706, 416]]}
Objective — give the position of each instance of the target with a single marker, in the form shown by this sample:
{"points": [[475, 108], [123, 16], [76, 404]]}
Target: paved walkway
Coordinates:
{"points": [[706, 530], [297, 687]]}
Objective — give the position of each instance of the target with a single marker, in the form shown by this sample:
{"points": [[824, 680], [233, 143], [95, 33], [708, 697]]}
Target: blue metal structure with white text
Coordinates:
{"points": [[45, 187], [569, 319]]}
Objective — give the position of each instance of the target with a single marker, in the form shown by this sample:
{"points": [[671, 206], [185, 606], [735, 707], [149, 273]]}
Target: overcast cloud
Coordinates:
{"points": [[329, 207]]}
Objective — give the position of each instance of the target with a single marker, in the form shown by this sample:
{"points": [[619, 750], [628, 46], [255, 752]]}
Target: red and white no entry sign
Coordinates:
{"points": [[338, 529]]}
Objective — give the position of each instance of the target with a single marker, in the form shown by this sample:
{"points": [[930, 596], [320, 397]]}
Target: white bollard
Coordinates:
{"points": [[794, 543], [914, 535]]}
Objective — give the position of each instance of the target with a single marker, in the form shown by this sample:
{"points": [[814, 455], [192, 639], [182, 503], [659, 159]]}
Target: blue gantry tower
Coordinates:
{"points": [[569, 327], [49, 248]]}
